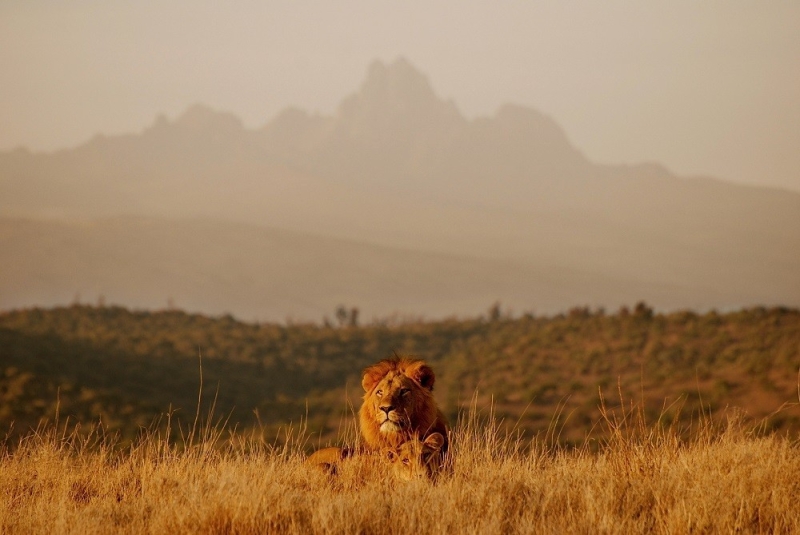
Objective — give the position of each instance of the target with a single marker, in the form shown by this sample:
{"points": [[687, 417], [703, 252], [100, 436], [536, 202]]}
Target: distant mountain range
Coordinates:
{"points": [[395, 203]]}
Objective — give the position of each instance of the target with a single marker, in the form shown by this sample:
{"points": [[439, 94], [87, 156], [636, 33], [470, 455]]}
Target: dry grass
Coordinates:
{"points": [[644, 480]]}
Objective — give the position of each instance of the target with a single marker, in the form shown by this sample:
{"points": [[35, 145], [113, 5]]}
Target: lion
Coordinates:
{"points": [[417, 459], [399, 404]]}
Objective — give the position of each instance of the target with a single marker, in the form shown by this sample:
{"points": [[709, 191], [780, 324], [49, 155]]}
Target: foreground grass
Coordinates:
{"points": [[726, 479]]}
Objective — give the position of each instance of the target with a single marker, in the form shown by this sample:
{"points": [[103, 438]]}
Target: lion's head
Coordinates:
{"points": [[399, 404], [417, 459]]}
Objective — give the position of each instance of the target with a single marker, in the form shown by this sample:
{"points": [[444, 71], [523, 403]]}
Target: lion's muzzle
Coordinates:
{"points": [[389, 426], [390, 420]]}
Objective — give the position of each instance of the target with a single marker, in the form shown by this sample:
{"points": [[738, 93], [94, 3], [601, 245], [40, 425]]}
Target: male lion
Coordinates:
{"points": [[417, 459], [398, 404]]}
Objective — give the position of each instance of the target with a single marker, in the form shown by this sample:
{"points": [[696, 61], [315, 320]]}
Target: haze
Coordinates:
{"points": [[703, 88]]}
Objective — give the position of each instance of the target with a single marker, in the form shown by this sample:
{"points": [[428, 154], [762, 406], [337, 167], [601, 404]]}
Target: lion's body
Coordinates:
{"points": [[398, 404], [328, 458]]}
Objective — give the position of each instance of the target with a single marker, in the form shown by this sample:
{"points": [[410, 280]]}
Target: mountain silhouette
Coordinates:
{"points": [[396, 132], [398, 167]]}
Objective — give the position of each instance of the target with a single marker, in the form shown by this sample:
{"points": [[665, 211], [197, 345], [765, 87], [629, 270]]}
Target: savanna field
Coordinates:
{"points": [[586, 422]]}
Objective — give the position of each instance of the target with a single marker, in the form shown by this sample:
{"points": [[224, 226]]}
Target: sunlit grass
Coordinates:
{"points": [[728, 477]]}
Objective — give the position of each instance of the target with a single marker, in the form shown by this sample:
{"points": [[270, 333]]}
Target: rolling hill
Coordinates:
{"points": [[128, 368], [269, 274]]}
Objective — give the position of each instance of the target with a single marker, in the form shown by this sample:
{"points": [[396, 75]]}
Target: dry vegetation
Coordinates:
{"points": [[645, 479], [685, 465], [127, 367]]}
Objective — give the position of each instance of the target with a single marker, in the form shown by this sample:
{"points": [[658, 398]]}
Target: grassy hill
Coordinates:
{"points": [[540, 374]]}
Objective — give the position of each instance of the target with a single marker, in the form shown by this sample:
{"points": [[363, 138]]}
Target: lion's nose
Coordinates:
{"points": [[387, 409]]}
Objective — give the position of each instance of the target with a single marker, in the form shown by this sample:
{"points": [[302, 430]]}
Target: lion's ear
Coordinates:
{"points": [[434, 441], [422, 373], [371, 377]]}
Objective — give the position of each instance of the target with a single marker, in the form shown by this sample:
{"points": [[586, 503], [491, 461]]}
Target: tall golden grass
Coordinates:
{"points": [[648, 478]]}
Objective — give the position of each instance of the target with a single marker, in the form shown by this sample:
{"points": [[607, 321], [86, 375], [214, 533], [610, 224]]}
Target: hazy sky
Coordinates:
{"points": [[704, 87]]}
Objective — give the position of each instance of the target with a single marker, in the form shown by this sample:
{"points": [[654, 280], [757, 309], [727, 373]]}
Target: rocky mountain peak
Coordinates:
{"points": [[398, 92]]}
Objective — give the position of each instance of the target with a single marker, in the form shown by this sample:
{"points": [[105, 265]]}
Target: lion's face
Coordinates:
{"points": [[417, 459], [394, 403], [398, 402]]}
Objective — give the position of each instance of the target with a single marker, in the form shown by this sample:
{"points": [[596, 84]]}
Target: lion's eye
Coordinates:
{"points": [[404, 391], [379, 393], [406, 460]]}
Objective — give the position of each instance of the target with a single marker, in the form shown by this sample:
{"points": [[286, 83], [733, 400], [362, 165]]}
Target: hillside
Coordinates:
{"points": [[128, 368], [399, 167], [267, 274]]}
